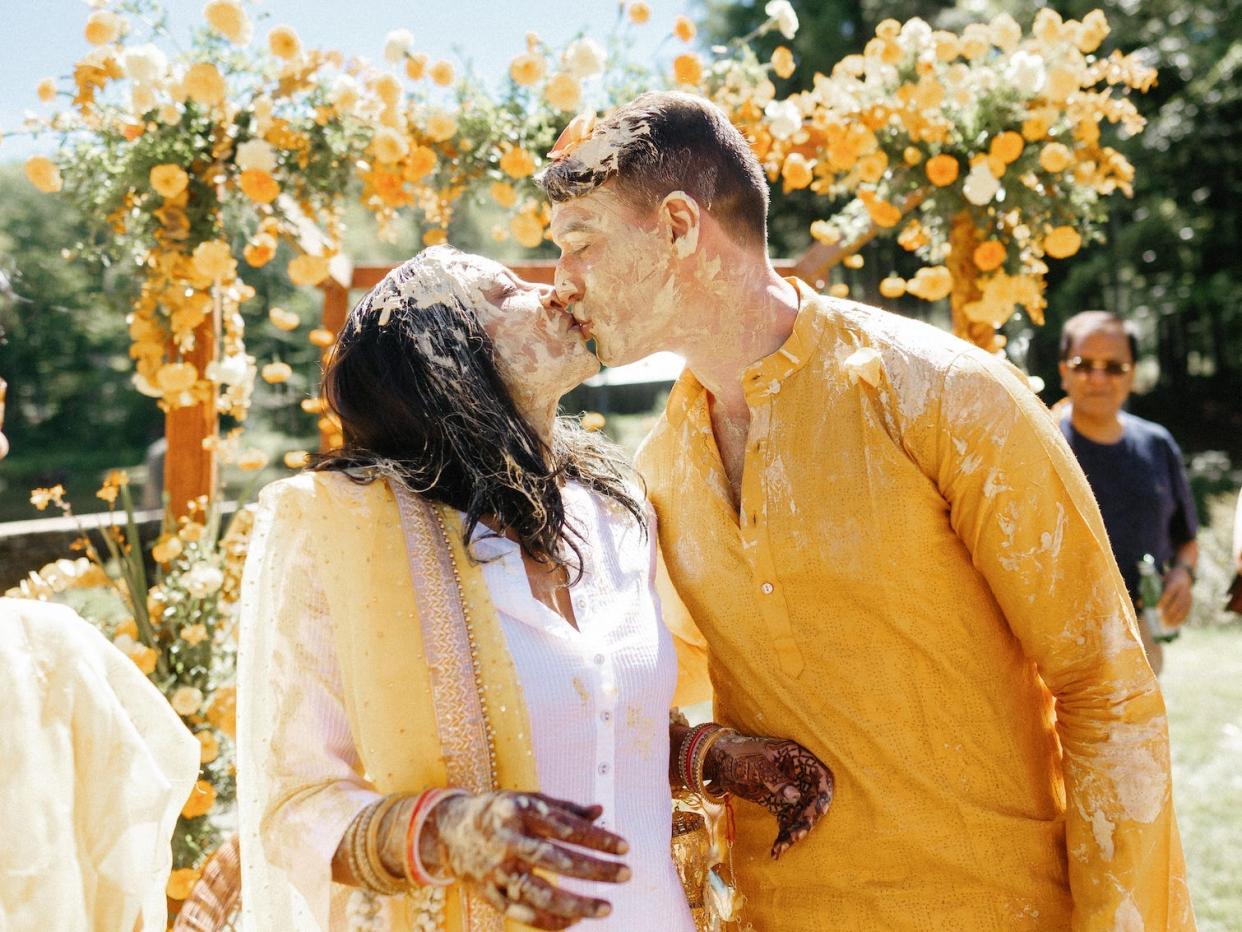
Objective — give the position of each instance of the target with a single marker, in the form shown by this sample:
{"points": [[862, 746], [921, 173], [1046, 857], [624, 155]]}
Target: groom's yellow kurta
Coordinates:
{"points": [[918, 570]]}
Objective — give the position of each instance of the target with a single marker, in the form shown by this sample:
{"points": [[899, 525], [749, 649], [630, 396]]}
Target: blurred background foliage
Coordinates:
{"points": [[1171, 261]]}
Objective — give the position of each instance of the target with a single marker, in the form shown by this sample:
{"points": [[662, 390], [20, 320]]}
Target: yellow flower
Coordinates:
{"points": [[684, 29], [1060, 83], [144, 658], [181, 882], [824, 232], [527, 69], [416, 67], [214, 260], [282, 319], [168, 180], [274, 373], [563, 91], [388, 145], [1034, 128], [208, 744], [167, 549], [173, 377], [46, 90], [1055, 157], [260, 250], [186, 700], [422, 162], [259, 186], [127, 628], [1007, 146], [222, 712], [517, 163], [388, 89], [894, 286], [871, 167], [796, 172], [194, 634], [989, 255], [853, 261], [44, 174], [229, 19], [308, 270], [888, 29], [941, 170], [442, 73], [639, 13], [284, 43], [441, 126], [687, 69], [503, 194], [931, 283], [593, 421], [1062, 242], [204, 84], [202, 798], [437, 236], [251, 460], [527, 229], [103, 27], [321, 337], [783, 62], [912, 155], [839, 290], [883, 214], [296, 459]]}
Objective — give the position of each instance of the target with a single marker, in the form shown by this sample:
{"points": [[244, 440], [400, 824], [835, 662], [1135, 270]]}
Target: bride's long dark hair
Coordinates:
{"points": [[420, 400]]}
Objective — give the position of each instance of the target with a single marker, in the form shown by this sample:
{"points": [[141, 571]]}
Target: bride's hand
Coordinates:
{"points": [[493, 842], [781, 776]]}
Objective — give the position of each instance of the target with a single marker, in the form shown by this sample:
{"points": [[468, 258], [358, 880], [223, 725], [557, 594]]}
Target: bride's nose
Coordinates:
{"points": [[550, 299]]}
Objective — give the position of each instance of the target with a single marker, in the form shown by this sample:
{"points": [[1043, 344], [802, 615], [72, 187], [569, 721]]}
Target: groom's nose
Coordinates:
{"points": [[568, 289]]}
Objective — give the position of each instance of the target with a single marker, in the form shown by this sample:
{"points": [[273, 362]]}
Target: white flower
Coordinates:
{"points": [[231, 370], [145, 64], [584, 57], [145, 386], [202, 579], [784, 118], [187, 700], [397, 44], [344, 93], [786, 19], [980, 185], [256, 155], [1026, 72], [915, 33]]}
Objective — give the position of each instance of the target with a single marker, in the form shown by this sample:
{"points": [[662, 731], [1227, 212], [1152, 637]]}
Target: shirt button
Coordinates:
{"points": [[599, 660], [603, 770], [605, 716], [766, 588]]}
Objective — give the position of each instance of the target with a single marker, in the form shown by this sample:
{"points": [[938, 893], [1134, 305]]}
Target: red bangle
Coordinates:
{"points": [[424, 803], [689, 748]]}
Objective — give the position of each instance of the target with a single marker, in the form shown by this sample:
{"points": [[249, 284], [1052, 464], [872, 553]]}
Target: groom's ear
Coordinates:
{"points": [[679, 220]]}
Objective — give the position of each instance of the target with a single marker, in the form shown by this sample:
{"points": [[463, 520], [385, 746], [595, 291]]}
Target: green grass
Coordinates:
{"points": [[1202, 683]]}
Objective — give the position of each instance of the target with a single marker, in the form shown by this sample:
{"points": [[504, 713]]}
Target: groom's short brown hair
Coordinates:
{"points": [[670, 141]]}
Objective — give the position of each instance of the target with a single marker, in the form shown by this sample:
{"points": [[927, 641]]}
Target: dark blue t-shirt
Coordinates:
{"points": [[1143, 493]]}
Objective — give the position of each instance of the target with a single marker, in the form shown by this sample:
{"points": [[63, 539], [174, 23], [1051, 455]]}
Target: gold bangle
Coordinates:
{"points": [[389, 885], [700, 761]]}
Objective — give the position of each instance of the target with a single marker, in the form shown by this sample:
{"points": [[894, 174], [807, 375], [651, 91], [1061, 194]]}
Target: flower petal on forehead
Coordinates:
{"points": [[577, 132]]}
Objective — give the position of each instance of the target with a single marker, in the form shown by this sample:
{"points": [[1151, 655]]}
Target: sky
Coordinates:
{"points": [[43, 38]]}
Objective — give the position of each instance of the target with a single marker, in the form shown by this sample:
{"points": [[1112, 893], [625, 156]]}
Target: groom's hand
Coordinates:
{"points": [[781, 776]]}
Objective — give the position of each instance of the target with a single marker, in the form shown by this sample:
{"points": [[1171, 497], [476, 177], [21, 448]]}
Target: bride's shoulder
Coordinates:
{"points": [[313, 491]]}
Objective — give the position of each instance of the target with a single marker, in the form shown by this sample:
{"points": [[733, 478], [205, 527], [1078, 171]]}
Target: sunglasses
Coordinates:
{"points": [[1110, 367]]}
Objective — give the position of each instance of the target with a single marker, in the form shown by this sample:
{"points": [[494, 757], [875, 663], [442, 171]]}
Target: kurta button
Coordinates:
{"points": [[603, 770], [605, 716], [599, 660], [766, 588]]}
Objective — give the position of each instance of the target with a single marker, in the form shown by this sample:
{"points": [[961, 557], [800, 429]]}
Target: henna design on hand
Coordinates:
{"points": [[780, 775]]}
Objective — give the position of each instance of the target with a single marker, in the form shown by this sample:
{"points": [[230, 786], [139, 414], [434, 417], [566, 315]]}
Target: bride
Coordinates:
{"points": [[454, 677]]}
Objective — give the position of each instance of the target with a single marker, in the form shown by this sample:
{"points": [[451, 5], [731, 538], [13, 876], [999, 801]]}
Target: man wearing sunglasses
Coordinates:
{"points": [[1134, 466]]}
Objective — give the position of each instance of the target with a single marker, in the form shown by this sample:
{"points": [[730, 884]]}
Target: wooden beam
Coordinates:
{"points": [[190, 468]]}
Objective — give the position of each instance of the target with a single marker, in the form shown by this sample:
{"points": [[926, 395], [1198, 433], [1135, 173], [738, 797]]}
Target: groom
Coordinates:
{"points": [[889, 555]]}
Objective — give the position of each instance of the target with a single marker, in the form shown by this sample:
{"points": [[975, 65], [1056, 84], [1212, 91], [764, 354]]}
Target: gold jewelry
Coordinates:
{"points": [[389, 884], [700, 761]]}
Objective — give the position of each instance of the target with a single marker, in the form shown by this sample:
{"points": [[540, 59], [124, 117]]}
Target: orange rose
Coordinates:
{"points": [[1055, 157], [893, 287], [259, 186], [783, 62], [1007, 146], [684, 29], [687, 69], [989, 255], [260, 250], [308, 270], [942, 170], [181, 882], [1062, 242], [168, 180]]}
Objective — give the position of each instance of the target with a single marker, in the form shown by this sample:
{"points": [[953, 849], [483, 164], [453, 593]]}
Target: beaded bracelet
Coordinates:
{"points": [[415, 872]]}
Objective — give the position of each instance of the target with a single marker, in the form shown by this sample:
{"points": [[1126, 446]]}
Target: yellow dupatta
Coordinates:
{"points": [[398, 652]]}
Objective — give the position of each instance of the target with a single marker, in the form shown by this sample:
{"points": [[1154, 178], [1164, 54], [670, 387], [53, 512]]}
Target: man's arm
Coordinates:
{"points": [[1022, 506]]}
